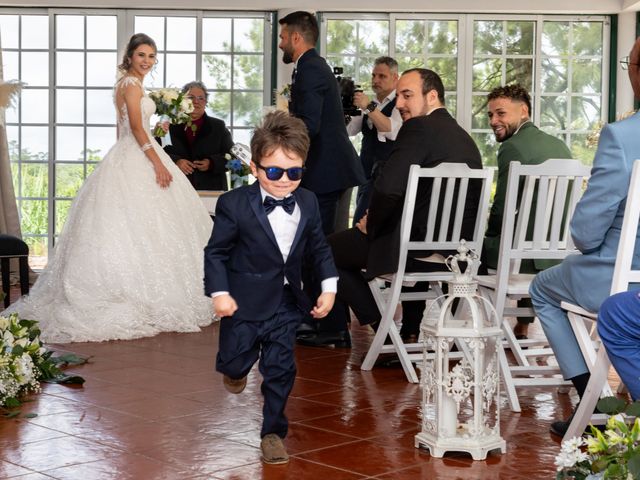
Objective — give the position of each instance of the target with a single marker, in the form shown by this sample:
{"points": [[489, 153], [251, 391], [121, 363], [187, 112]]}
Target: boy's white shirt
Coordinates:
{"points": [[284, 228]]}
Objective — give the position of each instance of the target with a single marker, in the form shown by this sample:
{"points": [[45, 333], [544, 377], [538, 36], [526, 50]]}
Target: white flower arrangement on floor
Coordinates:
{"points": [[613, 454], [24, 362]]}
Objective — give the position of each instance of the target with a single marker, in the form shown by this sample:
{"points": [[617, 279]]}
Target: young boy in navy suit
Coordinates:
{"points": [[261, 235]]}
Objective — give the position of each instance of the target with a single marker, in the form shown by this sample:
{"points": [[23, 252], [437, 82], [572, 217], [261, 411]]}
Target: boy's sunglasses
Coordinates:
{"points": [[275, 173]]}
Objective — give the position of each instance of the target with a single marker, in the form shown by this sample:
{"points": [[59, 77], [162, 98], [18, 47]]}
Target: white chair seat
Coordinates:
{"points": [[570, 307], [518, 283]]}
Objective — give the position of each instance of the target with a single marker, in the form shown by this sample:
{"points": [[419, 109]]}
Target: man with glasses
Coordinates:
{"points": [[199, 151], [585, 279]]}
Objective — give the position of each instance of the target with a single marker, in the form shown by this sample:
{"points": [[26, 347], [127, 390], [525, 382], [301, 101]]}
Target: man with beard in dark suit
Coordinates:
{"points": [[332, 165], [429, 136]]}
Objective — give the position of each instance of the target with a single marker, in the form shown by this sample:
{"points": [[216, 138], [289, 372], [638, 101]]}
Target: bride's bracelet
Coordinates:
{"points": [[146, 147]]}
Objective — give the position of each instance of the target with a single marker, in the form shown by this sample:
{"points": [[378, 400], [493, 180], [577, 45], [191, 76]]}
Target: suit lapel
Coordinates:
{"points": [[255, 200], [304, 218]]}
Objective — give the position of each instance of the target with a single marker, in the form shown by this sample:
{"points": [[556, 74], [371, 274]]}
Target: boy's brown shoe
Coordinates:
{"points": [[234, 386], [273, 451]]}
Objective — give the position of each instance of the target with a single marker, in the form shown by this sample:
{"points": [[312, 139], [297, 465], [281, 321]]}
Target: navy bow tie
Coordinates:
{"points": [[289, 204]]}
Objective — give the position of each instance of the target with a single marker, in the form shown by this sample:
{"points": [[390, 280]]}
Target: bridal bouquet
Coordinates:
{"points": [[24, 361], [172, 106], [612, 454]]}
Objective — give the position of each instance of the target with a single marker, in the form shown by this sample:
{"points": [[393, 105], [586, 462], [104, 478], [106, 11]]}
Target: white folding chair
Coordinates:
{"points": [[558, 183], [448, 197], [623, 275]]}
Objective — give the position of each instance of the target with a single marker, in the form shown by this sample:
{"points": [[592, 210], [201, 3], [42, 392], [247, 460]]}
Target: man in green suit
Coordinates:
{"points": [[509, 110]]}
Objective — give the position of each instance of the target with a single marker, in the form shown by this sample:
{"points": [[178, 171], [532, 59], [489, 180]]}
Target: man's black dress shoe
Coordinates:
{"points": [[305, 328], [340, 339], [560, 427]]}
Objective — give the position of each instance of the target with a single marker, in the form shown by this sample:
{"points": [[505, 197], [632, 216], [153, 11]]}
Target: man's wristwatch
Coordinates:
{"points": [[370, 108]]}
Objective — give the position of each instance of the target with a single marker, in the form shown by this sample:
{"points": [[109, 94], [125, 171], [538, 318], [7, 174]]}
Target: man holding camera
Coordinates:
{"points": [[379, 124], [332, 163]]}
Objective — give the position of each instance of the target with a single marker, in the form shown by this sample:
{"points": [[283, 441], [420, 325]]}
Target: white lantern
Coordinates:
{"points": [[461, 389]]}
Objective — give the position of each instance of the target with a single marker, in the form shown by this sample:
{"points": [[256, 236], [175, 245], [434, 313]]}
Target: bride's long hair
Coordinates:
{"points": [[135, 41]]}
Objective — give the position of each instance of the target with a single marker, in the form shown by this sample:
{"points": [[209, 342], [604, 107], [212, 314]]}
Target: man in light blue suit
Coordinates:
{"points": [[585, 279]]}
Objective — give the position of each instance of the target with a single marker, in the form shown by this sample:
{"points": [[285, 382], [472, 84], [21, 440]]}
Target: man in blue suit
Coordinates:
{"points": [[253, 271], [332, 165], [585, 279]]}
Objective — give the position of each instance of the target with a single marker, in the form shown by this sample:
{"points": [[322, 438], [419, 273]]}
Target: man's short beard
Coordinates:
{"points": [[287, 57], [509, 133]]}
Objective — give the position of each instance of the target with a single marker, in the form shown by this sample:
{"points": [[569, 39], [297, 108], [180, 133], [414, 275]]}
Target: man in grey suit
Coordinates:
{"points": [[585, 279]]}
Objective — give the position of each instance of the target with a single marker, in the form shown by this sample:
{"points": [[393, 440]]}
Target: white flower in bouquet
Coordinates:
{"points": [[570, 454], [172, 106], [169, 94], [8, 338], [24, 369]]}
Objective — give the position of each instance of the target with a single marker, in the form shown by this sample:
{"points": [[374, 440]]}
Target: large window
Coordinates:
{"points": [[64, 121], [430, 43], [229, 55], [561, 60], [354, 45]]}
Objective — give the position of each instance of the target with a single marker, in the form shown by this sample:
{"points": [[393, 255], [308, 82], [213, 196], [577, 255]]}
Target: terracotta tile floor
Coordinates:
{"points": [[156, 409]]}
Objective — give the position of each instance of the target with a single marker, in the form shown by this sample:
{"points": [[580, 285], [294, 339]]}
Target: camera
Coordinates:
{"points": [[347, 88]]}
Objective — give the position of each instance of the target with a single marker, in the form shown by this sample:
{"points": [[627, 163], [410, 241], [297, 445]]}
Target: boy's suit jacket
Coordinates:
{"points": [[243, 257]]}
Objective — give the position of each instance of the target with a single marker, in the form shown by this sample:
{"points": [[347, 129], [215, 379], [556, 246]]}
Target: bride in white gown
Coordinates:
{"points": [[129, 262]]}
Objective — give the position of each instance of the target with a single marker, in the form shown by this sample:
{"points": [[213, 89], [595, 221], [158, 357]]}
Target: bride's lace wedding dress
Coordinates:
{"points": [[129, 262]]}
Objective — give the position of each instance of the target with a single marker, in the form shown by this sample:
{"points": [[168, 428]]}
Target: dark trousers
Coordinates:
{"points": [[362, 200], [328, 205], [243, 342], [350, 252], [333, 219], [619, 328]]}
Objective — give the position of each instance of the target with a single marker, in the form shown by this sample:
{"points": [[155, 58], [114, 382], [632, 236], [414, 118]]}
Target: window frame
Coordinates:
{"points": [[466, 24]]}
